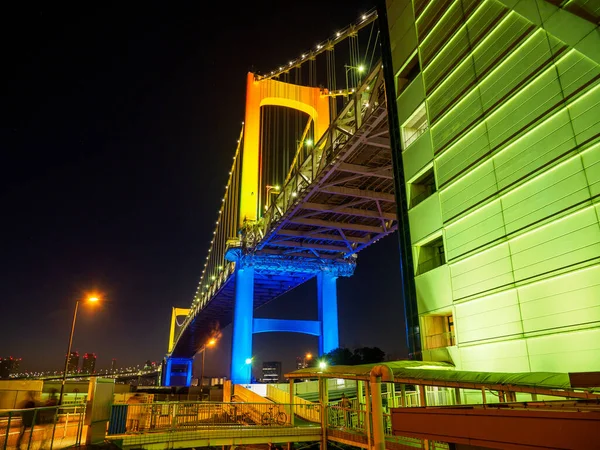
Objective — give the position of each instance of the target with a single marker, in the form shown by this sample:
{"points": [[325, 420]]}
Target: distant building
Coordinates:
{"points": [[113, 364], [89, 363], [8, 366], [302, 362], [271, 372], [73, 364]]}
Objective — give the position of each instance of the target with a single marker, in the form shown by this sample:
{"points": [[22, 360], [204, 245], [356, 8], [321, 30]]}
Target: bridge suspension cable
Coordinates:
{"points": [[216, 268]]}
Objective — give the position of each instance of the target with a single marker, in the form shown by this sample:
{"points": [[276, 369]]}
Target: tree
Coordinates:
{"points": [[340, 357], [363, 355], [369, 355]]}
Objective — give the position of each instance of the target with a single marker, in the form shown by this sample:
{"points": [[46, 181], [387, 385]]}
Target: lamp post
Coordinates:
{"points": [[271, 190], [307, 358], [210, 343], [68, 357], [360, 69]]}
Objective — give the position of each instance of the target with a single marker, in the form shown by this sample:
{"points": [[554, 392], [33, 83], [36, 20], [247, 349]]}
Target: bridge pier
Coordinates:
{"points": [[244, 323], [178, 371], [328, 312], [241, 342]]}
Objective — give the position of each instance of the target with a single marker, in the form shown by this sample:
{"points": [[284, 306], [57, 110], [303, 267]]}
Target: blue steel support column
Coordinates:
{"points": [[241, 342], [178, 371], [328, 314]]}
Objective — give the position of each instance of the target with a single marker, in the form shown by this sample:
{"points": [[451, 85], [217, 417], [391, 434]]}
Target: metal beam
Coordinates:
{"points": [[381, 172], [308, 245], [360, 193], [337, 225], [268, 251], [322, 237], [349, 211], [375, 141]]}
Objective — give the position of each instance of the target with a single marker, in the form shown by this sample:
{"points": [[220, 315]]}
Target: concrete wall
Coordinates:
{"points": [[14, 392]]}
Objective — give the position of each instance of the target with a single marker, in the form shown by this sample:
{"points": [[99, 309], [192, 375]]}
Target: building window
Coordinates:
{"points": [[414, 127], [422, 187], [439, 331], [407, 74], [431, 255]]}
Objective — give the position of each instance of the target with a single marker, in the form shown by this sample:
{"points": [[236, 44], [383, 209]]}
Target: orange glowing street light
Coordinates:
{"points": [[90, 299], [211, 342]]}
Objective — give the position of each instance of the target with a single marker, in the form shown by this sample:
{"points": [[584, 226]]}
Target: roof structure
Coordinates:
{"points": [[432, 373]]}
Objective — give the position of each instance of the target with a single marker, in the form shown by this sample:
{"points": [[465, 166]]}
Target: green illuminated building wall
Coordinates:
{"points": [[498, 104]]}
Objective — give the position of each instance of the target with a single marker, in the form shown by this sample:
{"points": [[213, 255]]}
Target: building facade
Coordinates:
{"points": [[73, 363], [271, 372], [89, 363], [496, 110], [9, 366]]}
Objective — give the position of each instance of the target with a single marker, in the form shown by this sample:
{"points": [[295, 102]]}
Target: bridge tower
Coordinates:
{"points": [[259, 93], [176, 371]]}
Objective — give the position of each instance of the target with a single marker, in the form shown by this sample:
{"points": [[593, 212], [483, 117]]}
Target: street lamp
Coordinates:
{"points": [[307, 357], [271, 190], [92, 299], [210, 343], [360, 69]]}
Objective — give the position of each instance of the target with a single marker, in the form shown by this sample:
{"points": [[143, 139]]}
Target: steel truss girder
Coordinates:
{"points": [[320, 207], [321, 236], [359, 193], [380, 172], [272, 264]]}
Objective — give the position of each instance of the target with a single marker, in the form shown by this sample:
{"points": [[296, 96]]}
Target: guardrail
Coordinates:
{"points": [[50, 427], [190, 416], [302, 408]]}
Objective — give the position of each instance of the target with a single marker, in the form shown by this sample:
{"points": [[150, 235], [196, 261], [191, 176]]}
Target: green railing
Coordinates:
{"points": [[190, 416], [51, 427]]}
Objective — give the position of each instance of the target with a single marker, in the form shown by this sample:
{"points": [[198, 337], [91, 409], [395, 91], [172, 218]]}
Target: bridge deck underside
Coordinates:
{"points": [[218, 313], [348, 206]]}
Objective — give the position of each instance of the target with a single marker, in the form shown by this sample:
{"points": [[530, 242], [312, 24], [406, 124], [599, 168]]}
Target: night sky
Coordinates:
{"points": [[118, 129]]}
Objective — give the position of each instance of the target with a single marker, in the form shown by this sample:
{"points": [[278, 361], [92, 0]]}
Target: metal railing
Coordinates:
{"points": [[50, 427], [304, 409], [353, 425], [190, 416]]}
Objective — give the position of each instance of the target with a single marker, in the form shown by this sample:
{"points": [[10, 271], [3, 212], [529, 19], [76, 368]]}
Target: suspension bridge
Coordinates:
{"points": [[310, 186]]}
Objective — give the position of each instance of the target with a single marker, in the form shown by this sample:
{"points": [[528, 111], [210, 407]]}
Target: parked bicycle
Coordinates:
{"points": [[276, 417]]}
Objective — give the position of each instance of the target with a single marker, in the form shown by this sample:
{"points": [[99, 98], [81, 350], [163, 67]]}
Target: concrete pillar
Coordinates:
{"points": [[328, 314], [243, 315]]}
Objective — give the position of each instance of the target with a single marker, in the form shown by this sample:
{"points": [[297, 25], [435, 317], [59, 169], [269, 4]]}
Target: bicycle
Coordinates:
{"points": [[271, 417]]}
